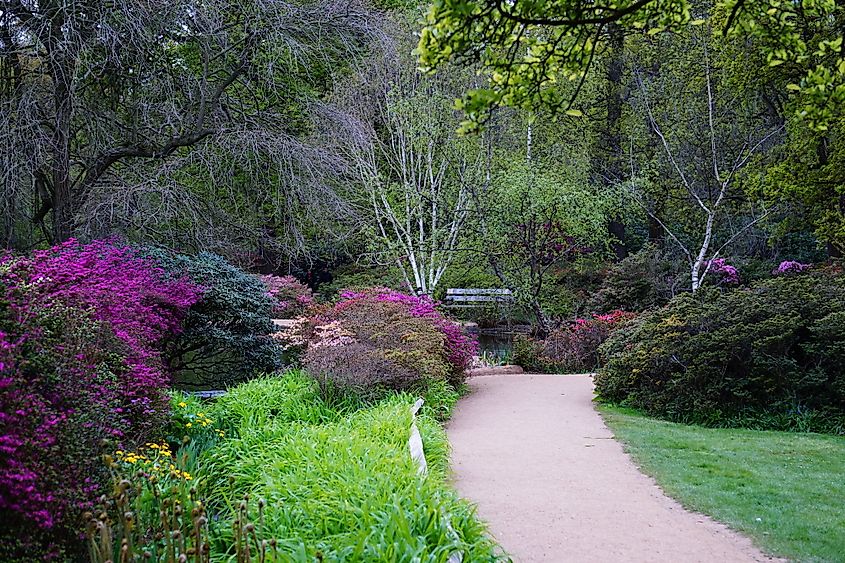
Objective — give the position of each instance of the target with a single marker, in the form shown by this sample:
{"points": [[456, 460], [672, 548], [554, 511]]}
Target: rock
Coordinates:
{"points": [[495, 370]]}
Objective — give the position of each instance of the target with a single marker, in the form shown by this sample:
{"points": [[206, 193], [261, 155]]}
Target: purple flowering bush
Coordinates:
{"points": [[82, 328], [790, 267], [291, 298], [379, 339], [726, 274]]}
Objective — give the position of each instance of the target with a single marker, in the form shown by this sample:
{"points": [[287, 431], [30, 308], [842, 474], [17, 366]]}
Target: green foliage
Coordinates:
{"points": [[529, 49], [641, 281], [784, 490], [537, 220], [808, 175], [269, 399], [226, 336], [356, 277], [345, 487], [151, 513], [768, 356], [527, 353]]}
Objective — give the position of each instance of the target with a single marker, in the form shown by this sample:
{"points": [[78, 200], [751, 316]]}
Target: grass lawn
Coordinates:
{"points": [[785, 490]]}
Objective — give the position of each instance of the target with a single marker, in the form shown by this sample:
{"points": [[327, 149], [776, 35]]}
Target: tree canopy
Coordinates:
{"points": [[528, 49]]}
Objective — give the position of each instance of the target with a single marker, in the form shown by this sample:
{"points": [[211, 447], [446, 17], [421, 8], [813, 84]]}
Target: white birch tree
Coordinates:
{"points": [[415, 170], [709, 185]]}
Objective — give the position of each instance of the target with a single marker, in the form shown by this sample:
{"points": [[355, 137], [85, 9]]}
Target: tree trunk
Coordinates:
{"points": [[616, 229], [656, 234], [62, 69], [611, 136], [543, 328]]}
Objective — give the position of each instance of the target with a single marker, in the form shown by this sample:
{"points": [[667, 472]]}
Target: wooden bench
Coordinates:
{"points": [[463, 297]]}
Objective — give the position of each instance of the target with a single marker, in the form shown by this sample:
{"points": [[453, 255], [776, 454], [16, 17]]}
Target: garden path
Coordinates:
{"points": [[554, 485]]}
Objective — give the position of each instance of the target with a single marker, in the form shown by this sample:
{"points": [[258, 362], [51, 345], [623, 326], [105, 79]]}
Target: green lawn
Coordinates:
{"points": [[785, 490]]}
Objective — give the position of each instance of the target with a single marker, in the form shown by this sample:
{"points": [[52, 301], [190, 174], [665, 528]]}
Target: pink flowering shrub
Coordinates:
{"points": [[726, 273], [291, 298], [378, 339], [460, 347], [574, 348], [790, 267], [82, 328]]}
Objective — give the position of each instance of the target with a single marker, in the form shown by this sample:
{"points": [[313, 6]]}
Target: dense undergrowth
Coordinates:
{"points": [[282, 469], [768, 356]]}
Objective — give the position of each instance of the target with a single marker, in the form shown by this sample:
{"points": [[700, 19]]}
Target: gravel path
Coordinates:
{"points": [[554, 485]]}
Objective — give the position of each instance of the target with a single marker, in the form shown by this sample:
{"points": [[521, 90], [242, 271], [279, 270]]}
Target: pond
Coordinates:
{"points": [[498, 343]]}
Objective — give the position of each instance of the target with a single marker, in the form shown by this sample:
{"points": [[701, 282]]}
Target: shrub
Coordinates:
{"points": [[377, 340], [371, 346], [526, 353], [766, 356], [290, 297], [81, 333], [790, 267], [644, 280], [725, 273], [460, 347], [227, 333], [574, 348]]}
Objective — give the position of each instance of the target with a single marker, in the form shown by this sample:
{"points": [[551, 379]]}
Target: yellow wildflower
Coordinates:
{"points": [[183, 404]]}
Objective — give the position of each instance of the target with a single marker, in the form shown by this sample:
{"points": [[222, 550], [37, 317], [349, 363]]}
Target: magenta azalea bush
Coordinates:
{"points": [[82, 329], [790, 267], [727, 274], [291, 297]]}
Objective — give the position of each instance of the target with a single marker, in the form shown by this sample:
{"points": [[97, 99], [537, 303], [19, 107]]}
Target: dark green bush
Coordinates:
{"points": [[767, 356], [526, 353], [227, 334], [643, 280]]}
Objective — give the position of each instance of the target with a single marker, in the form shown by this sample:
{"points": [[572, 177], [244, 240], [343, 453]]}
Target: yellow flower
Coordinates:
{"points": [[188, 425], [183, 404]]}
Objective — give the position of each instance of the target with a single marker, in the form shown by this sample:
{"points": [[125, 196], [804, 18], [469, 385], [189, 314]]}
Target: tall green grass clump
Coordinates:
{"points": [[335, 481]]}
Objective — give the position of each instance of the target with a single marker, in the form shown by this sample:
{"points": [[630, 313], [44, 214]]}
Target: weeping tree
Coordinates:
{"points": [[121, 114]]}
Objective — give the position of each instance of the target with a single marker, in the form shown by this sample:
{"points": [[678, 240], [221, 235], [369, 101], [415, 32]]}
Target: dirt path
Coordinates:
{"points": [[554, 485]]}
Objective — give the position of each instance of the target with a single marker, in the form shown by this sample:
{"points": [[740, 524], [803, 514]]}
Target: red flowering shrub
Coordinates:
{"points": [[291, 297], [573, 348], [81, 332]]}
